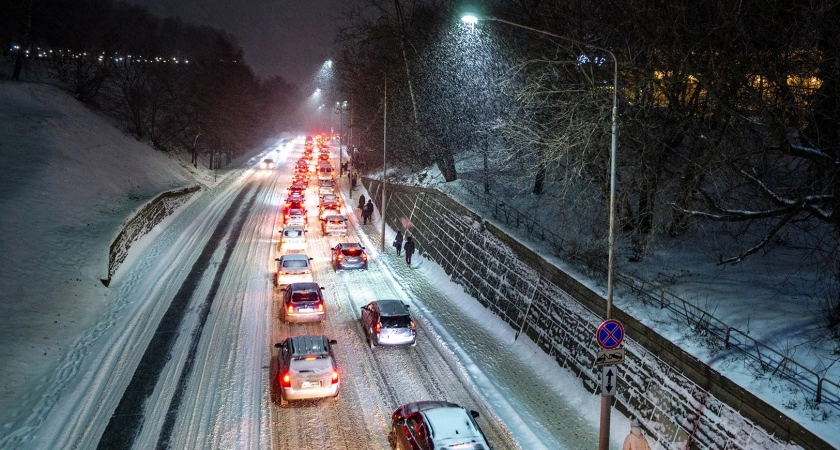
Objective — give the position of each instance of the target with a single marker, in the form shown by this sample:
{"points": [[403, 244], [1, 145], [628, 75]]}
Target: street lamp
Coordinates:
{"points": [[384, 161], [471, 19]]}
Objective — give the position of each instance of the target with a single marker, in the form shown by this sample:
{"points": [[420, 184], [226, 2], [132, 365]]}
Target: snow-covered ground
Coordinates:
{"points": [[71, 179]]}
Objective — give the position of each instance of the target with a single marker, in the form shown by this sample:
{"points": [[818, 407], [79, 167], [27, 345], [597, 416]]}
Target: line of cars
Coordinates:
{"points": [[307, 367]]}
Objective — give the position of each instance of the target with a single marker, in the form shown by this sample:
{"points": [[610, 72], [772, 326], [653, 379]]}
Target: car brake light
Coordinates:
{"points": [[281, 272], [377, 327], [291, 309], [413, 327], [286, 380], [364, 256], [335, 377], [320, 306], [340, 256]]}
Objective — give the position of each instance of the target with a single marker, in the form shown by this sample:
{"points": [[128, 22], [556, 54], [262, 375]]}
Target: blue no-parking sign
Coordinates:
{"points": [[610, 334]]}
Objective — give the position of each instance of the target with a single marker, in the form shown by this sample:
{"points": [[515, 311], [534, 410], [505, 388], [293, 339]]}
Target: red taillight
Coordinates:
{"points": [[335, 377], [340, 256], [291, 309], [413, 327], [286, 380], [377, 327], [364, 256], [320, 306]]}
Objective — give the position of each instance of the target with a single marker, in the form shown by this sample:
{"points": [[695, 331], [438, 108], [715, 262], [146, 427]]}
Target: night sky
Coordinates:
{"points": [[290, 38]]}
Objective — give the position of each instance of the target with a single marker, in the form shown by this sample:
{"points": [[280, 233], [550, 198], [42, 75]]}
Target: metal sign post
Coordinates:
{"points": [[610, 334]]}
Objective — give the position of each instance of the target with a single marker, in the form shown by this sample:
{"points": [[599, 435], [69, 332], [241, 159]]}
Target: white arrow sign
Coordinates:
{"points": [[609, 380]]}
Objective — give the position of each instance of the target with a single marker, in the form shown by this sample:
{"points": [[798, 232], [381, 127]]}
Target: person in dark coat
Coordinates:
{"points": [[398, 242], [362, 203], [368, 213], [409, 249]]}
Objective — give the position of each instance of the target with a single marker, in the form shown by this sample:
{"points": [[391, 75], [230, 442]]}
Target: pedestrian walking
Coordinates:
{"points": [[362, 203], [409, 249], [368, 213], [635, 440], [398, 242]]}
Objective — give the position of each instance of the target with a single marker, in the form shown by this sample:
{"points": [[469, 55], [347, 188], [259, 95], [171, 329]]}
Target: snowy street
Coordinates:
{"points": [[191, 329]]}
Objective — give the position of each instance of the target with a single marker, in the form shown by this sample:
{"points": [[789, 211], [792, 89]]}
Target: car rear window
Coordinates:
{"points": [[336, 221], [352, 251], [294, 264], [395, 321], [304, 297], [293, 233]]}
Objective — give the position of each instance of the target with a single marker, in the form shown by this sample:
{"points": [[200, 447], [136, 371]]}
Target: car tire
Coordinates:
{"points": [[283, 401]]}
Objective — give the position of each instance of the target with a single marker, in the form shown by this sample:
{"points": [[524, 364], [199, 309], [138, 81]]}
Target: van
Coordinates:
{"points": [[325, 172]]}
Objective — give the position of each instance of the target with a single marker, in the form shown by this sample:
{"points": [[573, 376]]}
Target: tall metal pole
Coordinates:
{"points": [[384, 163], [604, 436]]}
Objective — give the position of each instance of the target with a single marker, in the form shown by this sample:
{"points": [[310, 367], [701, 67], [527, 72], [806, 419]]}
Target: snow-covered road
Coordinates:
{"points": [[203, 379]]}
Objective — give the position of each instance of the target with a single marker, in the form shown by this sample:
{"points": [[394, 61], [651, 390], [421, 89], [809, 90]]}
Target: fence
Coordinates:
{"points": [[762, 358]]}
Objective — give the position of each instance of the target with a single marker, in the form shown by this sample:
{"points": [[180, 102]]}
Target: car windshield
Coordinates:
{"points": [[395, 321], [304, 297], [295, 263]]}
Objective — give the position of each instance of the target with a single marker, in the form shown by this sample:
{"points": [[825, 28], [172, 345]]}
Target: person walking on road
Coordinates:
{"points": [[409, 249], [362, 203], [398, 242], [368, 213], [635, 440]]}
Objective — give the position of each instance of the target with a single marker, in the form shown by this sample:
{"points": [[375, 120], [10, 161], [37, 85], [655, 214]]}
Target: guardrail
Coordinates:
{"points": [[761, 358]]}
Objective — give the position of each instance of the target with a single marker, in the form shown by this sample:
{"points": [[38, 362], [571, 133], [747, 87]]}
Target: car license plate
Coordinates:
{"points": [[310, 384]]}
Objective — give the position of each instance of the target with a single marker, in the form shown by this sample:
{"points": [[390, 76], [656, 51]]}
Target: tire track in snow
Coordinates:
{"points": [[127, 419]]}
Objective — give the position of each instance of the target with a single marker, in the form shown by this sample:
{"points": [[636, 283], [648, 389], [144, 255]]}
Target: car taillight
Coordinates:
{"points": [[291, 309], [364, 256], [281, 272], [413, 327], [377, 327], [307, 271], [283, 240], [335, 377], [286, 380], [340, 256], [320, 306]]}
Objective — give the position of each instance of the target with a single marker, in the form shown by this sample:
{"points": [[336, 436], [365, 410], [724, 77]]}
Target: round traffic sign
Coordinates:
{"points": [[610, 334]]}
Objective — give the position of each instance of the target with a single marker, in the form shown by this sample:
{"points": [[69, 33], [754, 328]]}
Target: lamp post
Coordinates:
{"points": [[604, 437], [384, 161]]}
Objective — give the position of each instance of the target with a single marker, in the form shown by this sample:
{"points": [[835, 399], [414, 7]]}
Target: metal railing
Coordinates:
{"points": [[762, 359]]}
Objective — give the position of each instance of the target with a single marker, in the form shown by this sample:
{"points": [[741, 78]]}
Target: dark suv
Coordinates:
{"points": [[306, 368], [387, 322]]}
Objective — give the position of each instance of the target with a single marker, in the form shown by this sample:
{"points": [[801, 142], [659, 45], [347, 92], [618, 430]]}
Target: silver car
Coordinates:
{"points": [[293, 238], [293, 268], [333, 225], [307, 368], [303, 302], [387, 322]]}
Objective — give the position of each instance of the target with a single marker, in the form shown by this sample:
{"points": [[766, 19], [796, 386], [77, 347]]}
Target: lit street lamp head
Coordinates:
{"points": [[470, 19]]}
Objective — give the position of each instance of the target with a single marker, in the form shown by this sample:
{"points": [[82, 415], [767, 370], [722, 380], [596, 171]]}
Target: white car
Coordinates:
{"points": [[293, 238], [330, 211], [325, 188], [334, 225], [296, 217], [293, 268], [307, 368]]}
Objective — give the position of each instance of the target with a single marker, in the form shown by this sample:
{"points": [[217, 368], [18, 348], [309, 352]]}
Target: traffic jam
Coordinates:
{"points": [[308, 371]]}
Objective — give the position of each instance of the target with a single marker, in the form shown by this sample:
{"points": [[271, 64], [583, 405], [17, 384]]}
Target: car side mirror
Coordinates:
{"points": [[333, 342], [474, 413], [321, 288], [406, 305], [277, 259], [400, 422], [278, 345]]}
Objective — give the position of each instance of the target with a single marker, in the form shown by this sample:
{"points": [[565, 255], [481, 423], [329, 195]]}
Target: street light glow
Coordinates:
{"points": [[470, 19]]}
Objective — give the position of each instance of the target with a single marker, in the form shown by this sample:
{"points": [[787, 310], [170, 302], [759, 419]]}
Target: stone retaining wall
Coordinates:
{"points": [[682, 402], [141, 222]]}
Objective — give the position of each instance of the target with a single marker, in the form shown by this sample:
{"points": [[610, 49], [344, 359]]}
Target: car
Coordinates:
{"points": [[303, 302], [325, 172], [329, 211], [267, 163], [307, 369], [296, 216], [324, 157], [326, 187], [333, 225], [432, 424], [293, 238], [387, 322], [301, 178], [293, 203], [293, 268], [298, 189], [349, 255], [330, 200]]}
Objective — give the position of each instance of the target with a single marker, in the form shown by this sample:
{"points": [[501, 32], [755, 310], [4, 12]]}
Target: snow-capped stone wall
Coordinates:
{"points": [[141, 222], [681, 402]]}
